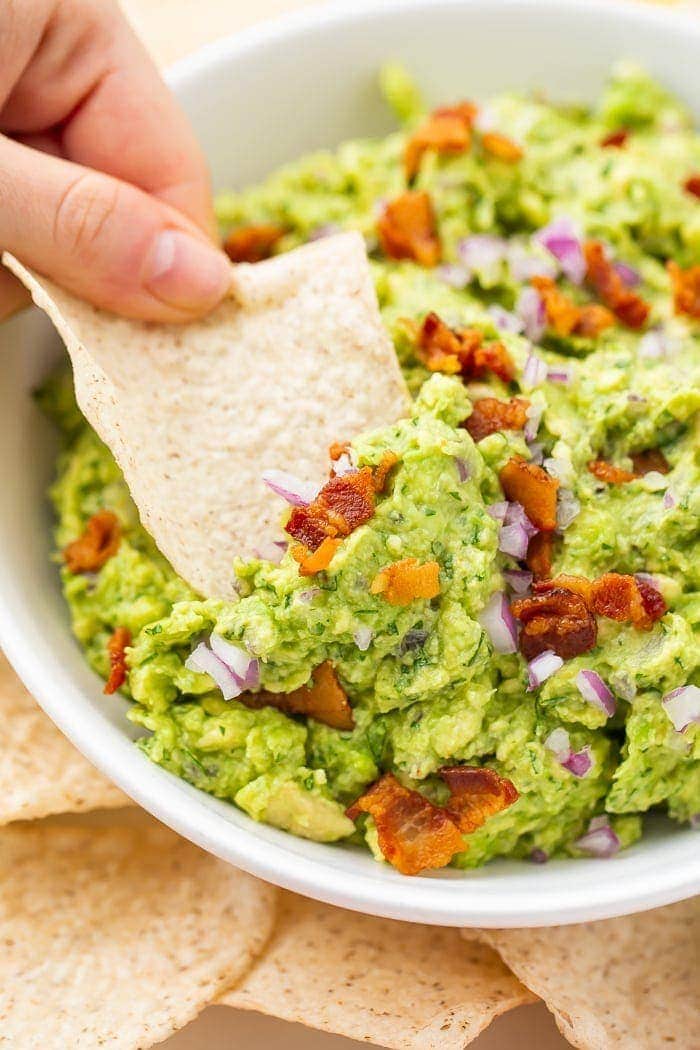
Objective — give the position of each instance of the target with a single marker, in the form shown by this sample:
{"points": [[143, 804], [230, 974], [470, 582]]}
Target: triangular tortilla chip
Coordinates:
{"points": [[116, 937], [194, 414], [40, 770], [622, 984], [392, 983]]}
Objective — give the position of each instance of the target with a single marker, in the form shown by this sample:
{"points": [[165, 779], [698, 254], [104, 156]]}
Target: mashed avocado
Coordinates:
{"points": [[426, 685]]}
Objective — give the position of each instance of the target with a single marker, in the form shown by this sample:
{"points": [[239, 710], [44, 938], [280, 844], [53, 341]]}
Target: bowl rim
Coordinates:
{"points": [[637, 882]]}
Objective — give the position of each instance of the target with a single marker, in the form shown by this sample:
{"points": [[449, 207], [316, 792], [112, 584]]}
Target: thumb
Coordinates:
{"points": [[106, 240]]}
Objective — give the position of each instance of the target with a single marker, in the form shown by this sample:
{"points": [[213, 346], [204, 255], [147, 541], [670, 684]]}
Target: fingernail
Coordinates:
{"points": [[185, 272]]}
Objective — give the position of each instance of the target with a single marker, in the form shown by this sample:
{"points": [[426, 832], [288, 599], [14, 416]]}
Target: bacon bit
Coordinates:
{"points": [[650, 459], [692, 185], [609, 473], [539, 555], [98, 543], [489, 415], [501, 146], [453, 350], [383, 469], [252, 244], [338, 449], [343, 504], [534, 489], [116, 647], [565, 316], [627, 306], [614, 595], [403, 581], [558, 620], [407, 229], [312, 562], [323, 699], [616, 138], [413, 833], [594, 319], [686, 289], [447, 130], [476, 794]]}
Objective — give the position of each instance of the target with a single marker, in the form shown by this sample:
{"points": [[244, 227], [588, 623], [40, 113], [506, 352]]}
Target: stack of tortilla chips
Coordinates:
{"points": [[118, 935]]}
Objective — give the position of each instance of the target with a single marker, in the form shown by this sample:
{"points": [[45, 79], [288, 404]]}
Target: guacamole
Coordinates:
{"points": [[431, 684]]}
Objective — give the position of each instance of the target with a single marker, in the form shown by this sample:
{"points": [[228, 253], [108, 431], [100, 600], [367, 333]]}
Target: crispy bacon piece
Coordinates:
{"points": [[383, 470], [501, 146], [601, 274], [565, 316], [648, 460], [311, 562], [615, 595], [692, 185], [559, 620], [413, 833], [407, 229], [476, 794], [686, 289], [338, 449], [609, 473], [489, 415], [531, 486], [322, 699], [539, 555], [447, 130], [616, 138], [453, 350], [98, 543], [594, 319], [116, 646], [343, 504], [403, 581], [254, 243]]}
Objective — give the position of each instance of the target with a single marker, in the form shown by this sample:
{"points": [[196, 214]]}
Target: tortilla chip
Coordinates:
{"points": [[40, 771], [117, 937], [194, 414], [392, 983], [629, 983]]}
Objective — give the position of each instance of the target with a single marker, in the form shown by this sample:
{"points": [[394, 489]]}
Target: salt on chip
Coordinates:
{"points": [[117, 937], [40, 770], [297, 358], [392, 983], [620, 984]]}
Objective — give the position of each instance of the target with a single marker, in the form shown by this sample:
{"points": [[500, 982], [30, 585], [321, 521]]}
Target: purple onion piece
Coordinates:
{"points": [[535, 371], [594, 691], [560, 374], [682, 706], [513, 540], [629, 275], [363, 638], [530, 310], [536, 450], [542, 668], [202, 659], [483, 253], [599, 841], [498, 511], [454, 274], [505, 320], [524, 265], [244, 668], [669, 500], [539, 856], [305, 597], [463, 468], [560, 237], [515, 515], [497, 620], [568, 508], [558, 743], [326, 229], [296, 492], [653, 344], [580, 762], [519, 580], [534, 418]]}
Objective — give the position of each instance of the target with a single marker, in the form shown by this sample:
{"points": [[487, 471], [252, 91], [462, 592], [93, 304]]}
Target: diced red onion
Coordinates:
{"points": [[559, 744], [513, 540], [628, 274], [559, 468], [534, 415], [530, 310], [580, 762], [482, 253], [636, 399], [463, 468], [415, 638], [498, 510], [542, 668], [519, 580], [305, 597], [536, 449], [485, 119], [560, 374], [682, 706], [453, 274], [646, 577], [244, 668], [653, 344], [363, 638], [560, 237], [624, 685], [669, 500], [343, 465], [515, 515], [296, 492], [535, 370], [524, 264], [326, 229], [505, 320], [594, 691], [202, 659], [600, 840], [539, 856], [497, 620], [272, 551], [568, 508]]}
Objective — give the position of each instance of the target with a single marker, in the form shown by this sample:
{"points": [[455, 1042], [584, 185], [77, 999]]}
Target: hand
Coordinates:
{"points": [[102, 184]]}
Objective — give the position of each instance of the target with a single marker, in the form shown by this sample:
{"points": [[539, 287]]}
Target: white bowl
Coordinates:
{"points": [[257, 100]]}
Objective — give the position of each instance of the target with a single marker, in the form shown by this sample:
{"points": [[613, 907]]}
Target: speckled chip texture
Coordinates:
{"points": [[392, 983], [194, 414], [40, 770], [116, 937], [623, 984]]}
